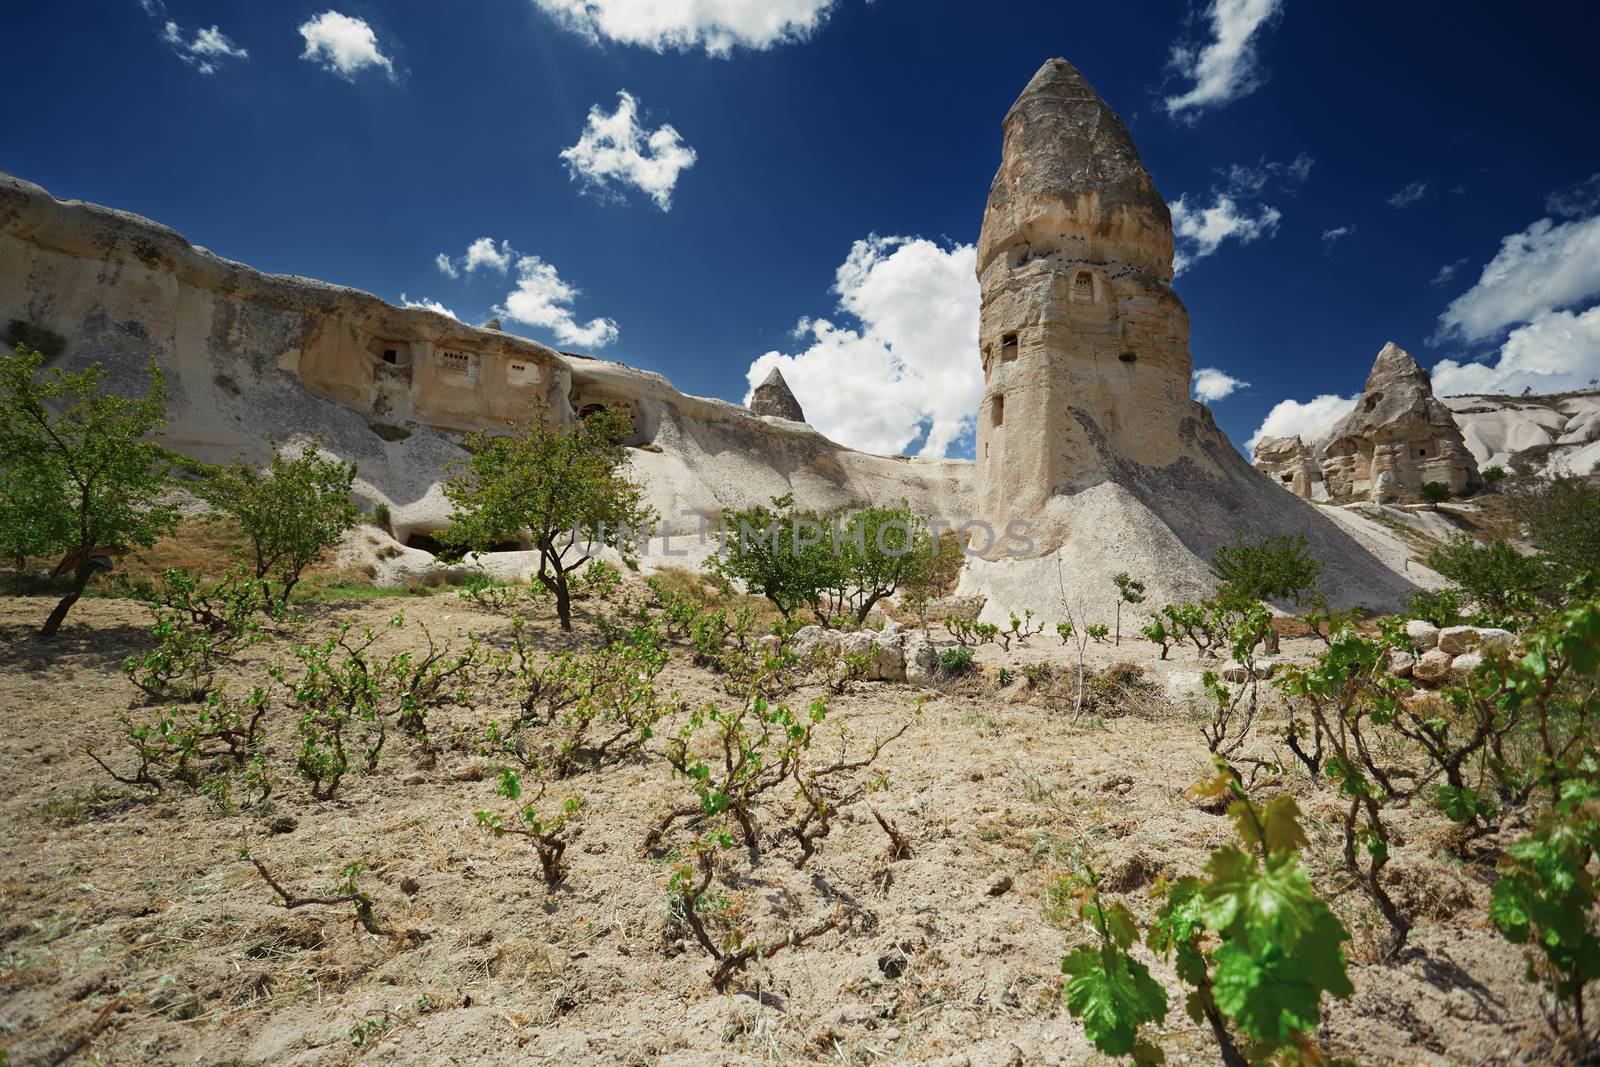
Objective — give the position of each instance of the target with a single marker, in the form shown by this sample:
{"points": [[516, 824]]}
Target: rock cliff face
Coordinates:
{"points": [[1398, 438], [251, 357], [773, 397], [1087, 436]]}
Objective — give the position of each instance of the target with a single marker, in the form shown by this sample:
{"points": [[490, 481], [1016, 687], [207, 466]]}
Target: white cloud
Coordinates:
{"points": [[1200, 231], [911, 363], [1556, 352], [205, 49], [1309, 421], [430, 305], [1330, 236], [482, 253], [1225, 68], [1244, 179], [1213, 384], [1548, 266], [615, 148], [1447, 272], [541, 299], [154, 8], [1409, 195], [342, 45], [718, 26], [1581, 200]]}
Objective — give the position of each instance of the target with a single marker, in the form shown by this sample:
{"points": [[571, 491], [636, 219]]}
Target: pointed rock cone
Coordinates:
{"points": [[773, 397]]}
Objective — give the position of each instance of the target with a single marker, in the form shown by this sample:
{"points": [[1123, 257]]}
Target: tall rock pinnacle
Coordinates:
{"points": [[1084, 344], [773, 397]]}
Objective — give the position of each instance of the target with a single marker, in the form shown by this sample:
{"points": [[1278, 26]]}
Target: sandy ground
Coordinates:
{"points": [[133, 933]]}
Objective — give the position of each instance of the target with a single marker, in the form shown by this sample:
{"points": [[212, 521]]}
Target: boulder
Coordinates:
{"points": [[1493, 639], [1423, 634], [1400, 663], [1458, 639], [921, 660], [1465, 665], [1432, 667]]}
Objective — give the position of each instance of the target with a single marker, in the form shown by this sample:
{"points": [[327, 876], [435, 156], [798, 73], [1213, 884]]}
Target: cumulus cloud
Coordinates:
{"points": [[542, 300], [1409, 195], [1310, 420], [908, 366], [446, 266], [343, 45], [1213, 384], [1556, 352], [482, 254], [616, 148], [717, 26], [1199, 230], [1225, 67], [430, 305], [1545, 267]]}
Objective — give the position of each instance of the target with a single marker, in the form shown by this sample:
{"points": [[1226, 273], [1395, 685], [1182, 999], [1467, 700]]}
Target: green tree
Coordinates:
{"points": [[782, 552], [564, 489], [878, 549], [935, 576], [28, 526], [292, 511], [81, 467], [1129, 591], [1497, 577], [1277, 568]]}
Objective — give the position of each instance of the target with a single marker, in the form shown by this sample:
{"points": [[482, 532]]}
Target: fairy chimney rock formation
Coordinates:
{"points": [[773, 397], [1398, 438], [1292, 463], [1084, 344]]}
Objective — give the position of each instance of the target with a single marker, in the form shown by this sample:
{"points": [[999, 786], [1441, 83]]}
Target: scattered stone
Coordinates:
{"points": [[282, 824], [1400, 663], [893, 964], [410, 886], [999, 885], [1458, 639], [1493, 639], [1465, 665], [1423, 634], [1433, 666]]}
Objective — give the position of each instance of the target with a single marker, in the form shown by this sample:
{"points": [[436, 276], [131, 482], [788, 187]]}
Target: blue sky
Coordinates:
{"points": [[1347, 172]]}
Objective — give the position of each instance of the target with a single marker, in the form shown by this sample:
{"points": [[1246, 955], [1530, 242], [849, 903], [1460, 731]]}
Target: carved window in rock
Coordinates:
{"points": [[391, 356], [1288, 478], [1008, 348], [459, 363], [1083, 288], [522, 372], [997, 411]]}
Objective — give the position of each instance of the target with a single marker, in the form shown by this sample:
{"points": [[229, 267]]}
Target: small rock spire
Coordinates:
{"points": [[773, 397]]}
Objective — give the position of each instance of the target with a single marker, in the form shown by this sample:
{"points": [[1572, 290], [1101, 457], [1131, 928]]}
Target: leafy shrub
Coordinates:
{"points": [[1277, 568], [1493, 476], [549, 834], [1156, 631], [1098, 632], [1442, 607], [1500, 580], [1562, 519], [197, 627], [955, 661], [1129, 591], [1435, 493]]}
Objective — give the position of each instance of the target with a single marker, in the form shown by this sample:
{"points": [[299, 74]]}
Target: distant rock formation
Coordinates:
{"points": [[773, 397], [1557, 434], [1398, 438], [1292, 463]]}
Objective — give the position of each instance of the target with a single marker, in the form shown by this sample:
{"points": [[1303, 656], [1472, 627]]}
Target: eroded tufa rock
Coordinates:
{"points": [[773, 397]]}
